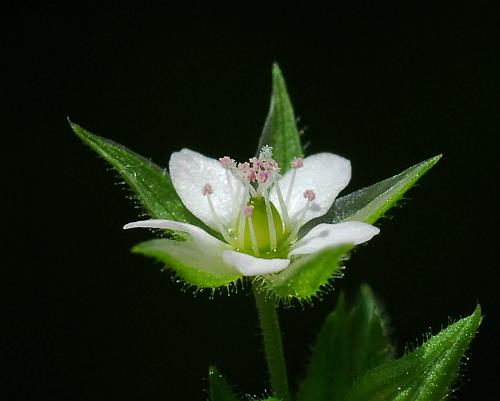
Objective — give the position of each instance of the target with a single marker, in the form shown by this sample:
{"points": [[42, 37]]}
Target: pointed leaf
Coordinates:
{"points": [[349, 344], [280, 129], [425, 374], [179, 256], [150, 183], [306, 276], [219, 390], [370, 203]]}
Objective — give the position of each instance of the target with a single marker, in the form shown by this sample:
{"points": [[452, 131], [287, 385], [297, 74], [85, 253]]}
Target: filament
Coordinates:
{"points": [[218, 223], [283, 207], [292, 182], [253, 238], [270, 223]]}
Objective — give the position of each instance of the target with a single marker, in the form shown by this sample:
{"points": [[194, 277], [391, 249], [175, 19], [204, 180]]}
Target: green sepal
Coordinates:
{"points": [[219, 390], [306, 276], [169, 252], [425, 374], [370, 203], [280, 128], [350, 343], [150, 183]]}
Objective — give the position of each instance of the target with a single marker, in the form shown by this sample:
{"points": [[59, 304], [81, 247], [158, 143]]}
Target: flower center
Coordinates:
{"points": [[256, 226], [263, 229]]}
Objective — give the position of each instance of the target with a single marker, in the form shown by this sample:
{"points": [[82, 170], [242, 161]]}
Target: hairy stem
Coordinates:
{"points": [[273, 346]]}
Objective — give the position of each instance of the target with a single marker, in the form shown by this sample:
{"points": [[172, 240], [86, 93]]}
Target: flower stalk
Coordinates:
{"points": [[273, 346]]}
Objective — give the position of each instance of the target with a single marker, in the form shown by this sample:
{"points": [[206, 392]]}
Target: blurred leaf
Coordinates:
{"points": [[150, 184], [306, 276], [425, 374], [219, 390], [370, 203], [349, 344], [280, 129], [188, 262]]}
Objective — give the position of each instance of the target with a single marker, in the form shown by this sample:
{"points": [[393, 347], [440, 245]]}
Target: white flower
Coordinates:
{"points": [[257, 211]]}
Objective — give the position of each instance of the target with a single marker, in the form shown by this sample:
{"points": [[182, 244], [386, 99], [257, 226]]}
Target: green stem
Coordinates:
{"points": [[273, 346]]}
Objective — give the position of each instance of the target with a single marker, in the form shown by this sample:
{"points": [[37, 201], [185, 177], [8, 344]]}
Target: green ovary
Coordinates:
{"points": [[261, 228]]}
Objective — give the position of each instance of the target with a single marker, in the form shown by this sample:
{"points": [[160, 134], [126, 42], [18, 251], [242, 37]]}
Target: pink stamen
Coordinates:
{"points": [[248, 210], [297, 163], [263, 176], [226, 162], [271, 165], [244, 167], [258, 164], [309, 195], [207, 189], [251, 176]]}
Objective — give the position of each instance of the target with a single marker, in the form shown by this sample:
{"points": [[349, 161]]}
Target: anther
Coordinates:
{"points": [[297, 163], [271, 165], [248, 210], [262, 177], [309, 195], [207, 189], [227, 162]]}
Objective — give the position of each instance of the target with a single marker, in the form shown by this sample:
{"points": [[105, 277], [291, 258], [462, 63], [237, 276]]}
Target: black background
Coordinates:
{"points": [[383, 87]]}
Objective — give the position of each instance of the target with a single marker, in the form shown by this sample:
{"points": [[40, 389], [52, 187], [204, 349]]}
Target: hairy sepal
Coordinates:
{"points": [[306, 277]]}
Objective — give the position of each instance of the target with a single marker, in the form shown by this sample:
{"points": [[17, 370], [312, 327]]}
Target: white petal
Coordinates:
{"points": [[249, 265], [329, 235], [190, 171], [201, 251], [199, 237], [324, 173]]}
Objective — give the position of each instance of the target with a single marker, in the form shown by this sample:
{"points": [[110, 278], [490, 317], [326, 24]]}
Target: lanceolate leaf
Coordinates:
{"points": [[219, 390], [307, 275], [189, 263], [425, 374], [151, 184], [280, 129], [349, 344], [370, 203]]}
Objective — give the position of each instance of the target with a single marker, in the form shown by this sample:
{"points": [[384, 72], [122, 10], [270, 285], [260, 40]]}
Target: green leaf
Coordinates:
{"points": [[191, 264], [280, 129], [425, 374], [219, 390], [150, 183], [370, 203], [349, 344], [306, 276]]}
